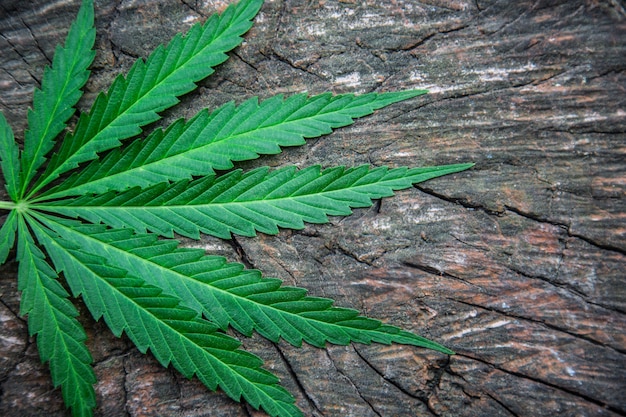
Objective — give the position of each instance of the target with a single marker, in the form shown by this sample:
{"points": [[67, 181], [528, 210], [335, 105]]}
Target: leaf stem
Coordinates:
{"points": [[7, 205]]}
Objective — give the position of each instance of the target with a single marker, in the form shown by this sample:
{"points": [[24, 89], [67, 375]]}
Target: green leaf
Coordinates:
{"points": [[173, 301], [151, 87], [7, 235], [243, 203], [60, 90], [51, 316], [174, 334], [9, 159], [211, 141], [229, 295]]}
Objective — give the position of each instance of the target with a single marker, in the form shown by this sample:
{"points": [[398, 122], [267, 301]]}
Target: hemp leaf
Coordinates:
{"points": [[101, 214]]}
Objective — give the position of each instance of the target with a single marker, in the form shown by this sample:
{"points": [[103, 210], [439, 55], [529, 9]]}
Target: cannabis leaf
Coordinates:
{"points": [[102, 217]]}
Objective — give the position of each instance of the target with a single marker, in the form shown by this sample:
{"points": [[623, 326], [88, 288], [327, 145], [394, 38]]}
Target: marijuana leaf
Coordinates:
{"points": [[106, 228], [9, 160], [241, 203], [175, 334], [51, 316], [211, 141], [60, 91], [150, 87]]}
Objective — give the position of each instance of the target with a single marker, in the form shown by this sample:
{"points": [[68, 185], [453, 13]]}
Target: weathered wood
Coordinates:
{"points": [[518, 264]]}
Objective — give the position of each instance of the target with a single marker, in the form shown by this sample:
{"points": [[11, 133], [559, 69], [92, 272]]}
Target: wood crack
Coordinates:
{"points": [[422, 397], [567, 227], [567, 287], [531, 216], [300, 68], [540, 322], [194, 8], [615, 409], [355, 386], [501, 404], [241, 253], [23, 58], [435, 271], [294, 376], [36, 41]]}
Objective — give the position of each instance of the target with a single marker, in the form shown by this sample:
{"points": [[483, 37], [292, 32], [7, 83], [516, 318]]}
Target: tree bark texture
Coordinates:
{"points": [[517, 265]]}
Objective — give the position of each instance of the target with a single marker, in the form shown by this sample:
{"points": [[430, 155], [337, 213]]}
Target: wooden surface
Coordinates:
{"points": [[518, 265]]}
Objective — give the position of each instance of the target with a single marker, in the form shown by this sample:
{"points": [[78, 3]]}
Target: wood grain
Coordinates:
{"points": [[518, 265]]}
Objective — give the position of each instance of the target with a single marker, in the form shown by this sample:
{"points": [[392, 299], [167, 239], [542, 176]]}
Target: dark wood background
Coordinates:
{"points": [[518, 265]]}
